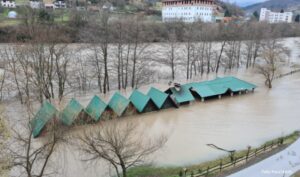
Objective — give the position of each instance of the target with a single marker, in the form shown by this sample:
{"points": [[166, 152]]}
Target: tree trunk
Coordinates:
{"points": [[220, 56], [134, 65], [188, 61], [126, 67], [105, 82]]}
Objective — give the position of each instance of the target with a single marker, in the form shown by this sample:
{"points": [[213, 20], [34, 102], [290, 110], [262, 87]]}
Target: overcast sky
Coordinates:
{"points": [[245, 2]]}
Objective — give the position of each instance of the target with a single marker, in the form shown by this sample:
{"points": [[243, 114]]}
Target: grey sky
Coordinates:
{"points": [[245, 2]]}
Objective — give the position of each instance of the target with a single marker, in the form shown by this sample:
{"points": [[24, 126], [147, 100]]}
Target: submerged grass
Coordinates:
{"points": [[152, 171]]}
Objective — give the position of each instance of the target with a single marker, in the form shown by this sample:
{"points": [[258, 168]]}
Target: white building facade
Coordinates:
{"points": [[188, 10], [275, 17], [36, 4], [8, 4]]}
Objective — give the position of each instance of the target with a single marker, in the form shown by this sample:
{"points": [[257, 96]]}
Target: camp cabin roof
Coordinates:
{"points": [[45, 113], [118, 103], [220, 86], [183, 94], [236, 84], [95, 108], [71, 112], [139, 100], [157, 96]]}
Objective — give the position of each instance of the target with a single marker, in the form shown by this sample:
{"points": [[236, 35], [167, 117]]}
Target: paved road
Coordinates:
{"points": [[282, 164]]}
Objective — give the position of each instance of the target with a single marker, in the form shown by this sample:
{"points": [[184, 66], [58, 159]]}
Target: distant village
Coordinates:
{"points": [[170, 10]]}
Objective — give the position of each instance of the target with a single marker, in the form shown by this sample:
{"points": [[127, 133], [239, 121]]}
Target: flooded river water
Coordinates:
{"points": [[232, 123]]}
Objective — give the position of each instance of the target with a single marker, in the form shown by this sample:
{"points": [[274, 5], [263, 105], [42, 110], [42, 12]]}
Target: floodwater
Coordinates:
{"points": [[231, 123]]}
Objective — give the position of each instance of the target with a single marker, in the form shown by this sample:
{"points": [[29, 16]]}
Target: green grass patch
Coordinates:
{"points": [[22, 2], [61, 15], [10, 22], [150, 171]]}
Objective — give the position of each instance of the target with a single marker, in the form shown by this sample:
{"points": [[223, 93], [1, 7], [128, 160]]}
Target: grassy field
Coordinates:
{"points": [[145, 171], [9, 22], [4, 21], [60, 16]]}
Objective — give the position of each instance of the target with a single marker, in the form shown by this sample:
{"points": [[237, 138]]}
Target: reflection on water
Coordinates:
{"points": [[231, 123]]}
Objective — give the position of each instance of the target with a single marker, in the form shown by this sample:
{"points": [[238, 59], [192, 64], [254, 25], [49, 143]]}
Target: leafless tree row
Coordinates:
{"points": [[118, 53]]}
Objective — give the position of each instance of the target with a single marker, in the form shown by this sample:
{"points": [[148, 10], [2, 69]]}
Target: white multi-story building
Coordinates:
{"points": [[188, 10], [8, 4], [36, 4], [275, 17]]}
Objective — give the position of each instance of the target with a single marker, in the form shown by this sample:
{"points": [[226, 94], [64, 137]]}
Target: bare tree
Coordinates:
{"points": [[98, 34], [273, 54], [2, 82], [4, 135], [171, 59], [104, 46], [138, 47], [30, 157], [119, 143], [223, 37], [12, 62], [188, 33]]}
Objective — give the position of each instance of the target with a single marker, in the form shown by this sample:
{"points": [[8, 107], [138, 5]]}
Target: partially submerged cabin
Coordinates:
{"points": [[121, 106], [47, 114], [97, 109], [181, 95], [237, 85], [142, 103], [220, 87], [74, 114], [161, 99]]}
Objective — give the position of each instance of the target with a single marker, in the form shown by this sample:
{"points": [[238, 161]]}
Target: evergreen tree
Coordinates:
{"points": [[256, 15], [297, 19], [227, 13]]}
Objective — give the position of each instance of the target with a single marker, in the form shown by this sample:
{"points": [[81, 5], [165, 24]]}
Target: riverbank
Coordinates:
{"points": [[145, 171]]}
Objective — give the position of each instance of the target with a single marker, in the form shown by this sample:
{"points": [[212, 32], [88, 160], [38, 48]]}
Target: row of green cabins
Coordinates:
{"points": [[119, 106]]}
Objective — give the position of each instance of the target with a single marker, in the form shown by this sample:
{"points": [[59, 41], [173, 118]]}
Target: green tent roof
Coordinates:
{"points": [[220, 86], [118, 103], [71, 112], [139, 100], [95, 108], [183, 95], [236, 84], [157, 96], [45, 113]]}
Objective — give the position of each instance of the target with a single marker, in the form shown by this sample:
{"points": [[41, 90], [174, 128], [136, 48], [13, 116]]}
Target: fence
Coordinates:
{"points": [[287, 74], [250, 154]]}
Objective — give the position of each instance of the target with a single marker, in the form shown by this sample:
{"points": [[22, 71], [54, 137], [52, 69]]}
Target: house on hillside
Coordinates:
{"points": [[8, 4], [49, 4], [36, 4], [108, 6], [188, 11], [275, 17]]}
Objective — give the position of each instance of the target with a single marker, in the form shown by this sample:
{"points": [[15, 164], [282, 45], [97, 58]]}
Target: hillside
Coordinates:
{"points": [[274, 5]]}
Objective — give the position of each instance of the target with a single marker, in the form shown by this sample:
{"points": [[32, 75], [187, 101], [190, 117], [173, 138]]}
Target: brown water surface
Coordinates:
{"points": [[231, 123]]}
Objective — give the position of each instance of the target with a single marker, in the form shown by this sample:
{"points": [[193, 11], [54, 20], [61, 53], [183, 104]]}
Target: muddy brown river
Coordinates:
{"points": [[232, 123]]}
